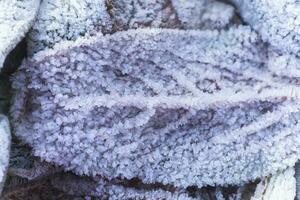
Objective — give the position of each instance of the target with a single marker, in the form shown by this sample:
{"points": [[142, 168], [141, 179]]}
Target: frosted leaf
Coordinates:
{"points": [[4, 148], [60, 20], [197, 14], [279, 186], [16, 17], [175, 107], [128, 14], [68, 20], [192, 14], [276, 21], [285, 65]]}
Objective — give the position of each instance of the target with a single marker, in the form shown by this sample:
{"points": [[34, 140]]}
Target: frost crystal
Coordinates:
{"points": [[16, 17], [197, 14], [67, 20], [280, 186], [277, 21], [4, 148], [175, 107], [192, 14], [128, 14]]}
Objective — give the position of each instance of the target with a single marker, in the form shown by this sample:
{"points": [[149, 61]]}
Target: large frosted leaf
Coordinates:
{"points": [[175, 107], [4, 148], [16, 17]]}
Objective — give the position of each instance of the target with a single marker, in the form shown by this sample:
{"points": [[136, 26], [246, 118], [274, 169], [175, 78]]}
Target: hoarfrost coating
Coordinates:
{"points": [[16, 18], [276, 21], [59, 20], [174, 107]]}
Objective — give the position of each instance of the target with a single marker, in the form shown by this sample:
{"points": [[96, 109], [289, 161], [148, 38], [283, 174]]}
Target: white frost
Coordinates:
{"points": [[16, 18], [60, 20], [146, 90], [199, 14], [277, 21]]}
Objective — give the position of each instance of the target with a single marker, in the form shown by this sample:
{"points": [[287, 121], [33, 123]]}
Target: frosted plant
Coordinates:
{"points": [[67, 20], [197, 14], [278, 24], [176, 107], [128, 14], [60, 20], [284, 64], [4, 148], [16, 17], [119, 192], [193, 14], [280, 186], [276, 21]]}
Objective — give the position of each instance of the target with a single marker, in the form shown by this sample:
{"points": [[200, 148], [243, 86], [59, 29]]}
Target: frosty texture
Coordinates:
{"points": [[60, 20], [175, 107], [135, 190], [16, 17], [127, 14], [4, 148], [192, 14], [113, 190], [200, 14], [276, 21]]}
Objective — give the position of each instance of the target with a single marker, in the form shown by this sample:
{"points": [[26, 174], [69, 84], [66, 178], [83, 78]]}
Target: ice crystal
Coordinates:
{"points": [[197, 14], [16, 17], [193, 14], [68, 20], [60, 20], [278, 24], [127, 14], [276, 21], [175, 107]]}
